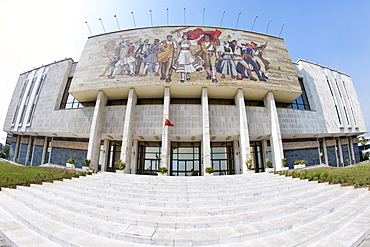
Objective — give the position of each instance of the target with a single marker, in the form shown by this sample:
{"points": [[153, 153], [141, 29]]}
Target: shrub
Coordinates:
{"points": [[121, 165], [210, 170], [269, 164], [248, 163], [300, 162], [163, 170], [71, 161], [87, 162], [283, 162]]}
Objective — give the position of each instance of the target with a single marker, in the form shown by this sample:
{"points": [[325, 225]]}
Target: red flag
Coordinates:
{"points": [[167, 122], [196, 33]]}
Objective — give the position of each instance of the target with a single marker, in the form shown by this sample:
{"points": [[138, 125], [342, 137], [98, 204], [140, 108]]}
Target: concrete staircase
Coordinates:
{"points": [[109, 209]]}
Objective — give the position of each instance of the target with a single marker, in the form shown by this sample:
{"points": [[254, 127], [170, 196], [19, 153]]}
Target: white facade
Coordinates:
{"points": [[246, 123]]}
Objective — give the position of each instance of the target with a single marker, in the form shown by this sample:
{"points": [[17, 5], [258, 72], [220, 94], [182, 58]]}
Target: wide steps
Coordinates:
{"points": [[127, 210], [251, 213]]}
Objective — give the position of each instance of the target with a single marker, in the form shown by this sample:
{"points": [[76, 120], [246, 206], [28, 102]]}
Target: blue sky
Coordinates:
{"points": [[334, 33]]}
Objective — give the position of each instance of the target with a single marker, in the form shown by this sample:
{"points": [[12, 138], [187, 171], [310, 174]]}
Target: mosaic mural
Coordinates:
{"points": [[186, 52], [184, 56]]}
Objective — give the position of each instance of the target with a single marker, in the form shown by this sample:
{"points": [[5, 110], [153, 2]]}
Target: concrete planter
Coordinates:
{"points": [[299, 166], [68, 165], [85, 168], [284, 169], [208, 174], [269, 169], [120, 171], [160, 174]]}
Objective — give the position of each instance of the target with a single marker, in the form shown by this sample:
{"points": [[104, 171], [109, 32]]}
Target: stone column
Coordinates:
{"points": [[275, 137], [340, 161], [51, 149], [325, 151], [165, 135], [135, 147], [265, 156], [127, 130], [245, 149], [105, 155], [16, 151], [236, 157], [352, 157], [206, 144], [95, 134], [45, 150], [28, 150]]}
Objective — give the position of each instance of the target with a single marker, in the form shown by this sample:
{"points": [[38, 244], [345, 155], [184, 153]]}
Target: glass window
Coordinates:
{"points": [[300, 103]]}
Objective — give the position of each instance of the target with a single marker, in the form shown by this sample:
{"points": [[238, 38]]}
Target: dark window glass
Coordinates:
{"points": [[221, 102], [300, 103], [150, 101], [183, 101]]}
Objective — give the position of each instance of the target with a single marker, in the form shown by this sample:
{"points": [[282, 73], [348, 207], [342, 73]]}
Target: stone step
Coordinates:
{"points": [[261, 211], [17, 234], [257, 201], [201, 235], [137, 195], [345, 227], [223, 181], [350, 234], [85, 184], [64, 235], [70, 213]]}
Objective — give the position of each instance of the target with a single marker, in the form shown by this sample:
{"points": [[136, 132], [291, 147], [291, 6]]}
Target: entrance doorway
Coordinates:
{"points": [[256, 153], [114, 154], [222, 158], [185, 159], [149, 158]]}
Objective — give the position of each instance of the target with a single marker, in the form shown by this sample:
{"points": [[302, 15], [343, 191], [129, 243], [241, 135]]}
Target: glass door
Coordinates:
{"points": [[185, 159], [222, 158], [149, 158], [257, 160]]}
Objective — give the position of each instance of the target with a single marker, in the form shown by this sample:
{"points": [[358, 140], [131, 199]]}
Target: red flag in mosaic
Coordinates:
{"points": [[198, 32]]}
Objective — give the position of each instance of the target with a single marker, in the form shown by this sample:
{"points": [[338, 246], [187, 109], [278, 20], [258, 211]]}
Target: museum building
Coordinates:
{"points": [[185, 98]]}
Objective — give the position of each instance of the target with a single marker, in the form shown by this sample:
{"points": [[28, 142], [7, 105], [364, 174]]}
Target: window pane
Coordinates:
{"points": [[218, 149], [152, 149], [152, 156], [216, 165], [148, 165], [219, 156], [223, 165], [196, 165], [186, 150], [181, 165], [186, 156]]}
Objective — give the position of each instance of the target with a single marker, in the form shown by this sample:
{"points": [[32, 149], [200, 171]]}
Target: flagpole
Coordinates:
{"points": [[133, 18], [88, 27], [115, 16], [222, 18], [102, 24], [151, 17], [167, 16], [237, 21], [282, 28], [204, 10], [254, 22], [268, 25]]}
